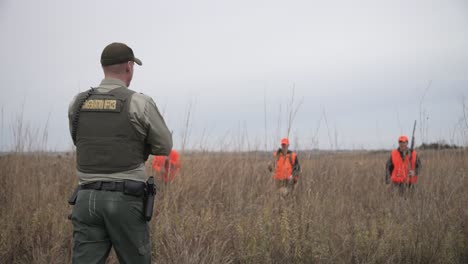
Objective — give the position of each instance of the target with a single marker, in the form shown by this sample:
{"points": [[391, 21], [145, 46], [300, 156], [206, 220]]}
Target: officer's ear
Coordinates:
{"points": [[129, 66]]}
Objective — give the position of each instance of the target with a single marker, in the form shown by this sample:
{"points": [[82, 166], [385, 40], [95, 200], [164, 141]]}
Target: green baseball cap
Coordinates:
{"points": [[116, 53]]}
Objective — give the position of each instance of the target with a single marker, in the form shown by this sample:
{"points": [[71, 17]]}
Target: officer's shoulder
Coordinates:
{"points": [[79, 96], [141, 97]]}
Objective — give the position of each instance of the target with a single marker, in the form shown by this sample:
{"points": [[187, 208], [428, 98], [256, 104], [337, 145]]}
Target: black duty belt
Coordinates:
{"points": [[104, 186], [134, 188]]}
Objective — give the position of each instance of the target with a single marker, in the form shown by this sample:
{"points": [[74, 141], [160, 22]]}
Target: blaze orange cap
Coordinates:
{"points": [[284, 141], [403, 139]]}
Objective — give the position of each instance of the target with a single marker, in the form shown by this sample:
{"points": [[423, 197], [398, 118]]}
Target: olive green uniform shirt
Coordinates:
{"points": [[145, 117]]}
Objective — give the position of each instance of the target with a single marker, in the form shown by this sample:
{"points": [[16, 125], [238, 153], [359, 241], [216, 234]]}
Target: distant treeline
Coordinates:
{"points": [[438, 145]]}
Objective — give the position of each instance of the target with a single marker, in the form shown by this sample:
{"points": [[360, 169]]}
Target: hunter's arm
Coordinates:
{"points": [[388, 170]]}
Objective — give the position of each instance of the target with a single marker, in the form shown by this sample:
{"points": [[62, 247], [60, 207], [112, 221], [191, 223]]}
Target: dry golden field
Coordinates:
{"points": [[223, 209]]}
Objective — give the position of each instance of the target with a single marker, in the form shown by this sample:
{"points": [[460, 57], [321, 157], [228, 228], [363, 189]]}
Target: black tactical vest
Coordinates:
{"points": [[106, 141]]}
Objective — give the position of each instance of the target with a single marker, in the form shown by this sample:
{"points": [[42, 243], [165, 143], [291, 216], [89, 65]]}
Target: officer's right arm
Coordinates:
{"points": [[149, 122], [159, 137]]}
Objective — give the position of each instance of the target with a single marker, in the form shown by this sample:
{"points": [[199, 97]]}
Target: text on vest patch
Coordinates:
{"points": [[100, 104]]}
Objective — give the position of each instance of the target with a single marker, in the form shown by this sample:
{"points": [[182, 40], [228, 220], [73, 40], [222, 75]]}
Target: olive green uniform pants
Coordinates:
{"points": [[104, 219]]}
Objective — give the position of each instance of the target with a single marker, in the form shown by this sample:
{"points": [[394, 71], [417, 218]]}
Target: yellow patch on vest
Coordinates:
{"points": [[99, 104]]}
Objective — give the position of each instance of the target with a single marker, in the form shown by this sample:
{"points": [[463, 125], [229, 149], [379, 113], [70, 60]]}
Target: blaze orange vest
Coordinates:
{"points": [[171, 165], [401, 169], [284, 165]]}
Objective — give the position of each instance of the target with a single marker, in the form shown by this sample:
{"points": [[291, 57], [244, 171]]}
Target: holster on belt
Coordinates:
{"points": [[150, 193], [72, 199]]}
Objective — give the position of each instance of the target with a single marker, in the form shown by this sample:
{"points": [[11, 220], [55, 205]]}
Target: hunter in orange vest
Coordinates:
{"points": [[167, 166], [402, 167], [286, 166]]}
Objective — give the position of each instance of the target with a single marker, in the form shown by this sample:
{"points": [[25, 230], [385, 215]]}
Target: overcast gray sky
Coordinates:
{"points": [[360, 68]]}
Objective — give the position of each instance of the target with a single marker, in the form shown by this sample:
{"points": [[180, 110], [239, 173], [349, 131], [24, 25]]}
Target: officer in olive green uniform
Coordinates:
{"points": [[114, 130]]}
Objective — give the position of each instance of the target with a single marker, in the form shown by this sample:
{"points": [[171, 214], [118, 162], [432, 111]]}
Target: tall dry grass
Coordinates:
{"points": [[223, 209]]}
